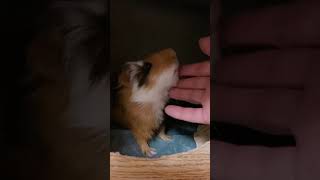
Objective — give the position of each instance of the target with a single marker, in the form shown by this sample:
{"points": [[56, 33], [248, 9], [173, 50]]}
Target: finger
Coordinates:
{"points": [[197, 69], [290, 24], [268, 110], [234, 162], [204, 44], [194, 83], [285, 68], [195, 115], [189, 95]]}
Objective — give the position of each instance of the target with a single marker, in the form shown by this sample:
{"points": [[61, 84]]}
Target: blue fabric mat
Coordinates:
{"points": [[181, 133]]}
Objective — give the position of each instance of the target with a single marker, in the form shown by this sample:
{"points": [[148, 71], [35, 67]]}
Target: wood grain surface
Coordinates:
{"points": [[191, 165]]}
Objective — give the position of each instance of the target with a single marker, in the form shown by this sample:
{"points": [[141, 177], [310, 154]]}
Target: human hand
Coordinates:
{"points": [[274, 90], [195, 89]]}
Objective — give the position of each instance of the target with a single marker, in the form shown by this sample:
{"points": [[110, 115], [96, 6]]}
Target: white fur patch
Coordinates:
{"points": [[157, 96]]}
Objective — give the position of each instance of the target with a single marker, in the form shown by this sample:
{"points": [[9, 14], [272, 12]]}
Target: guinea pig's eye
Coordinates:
{"points": [[147, 66], [143, 73]]}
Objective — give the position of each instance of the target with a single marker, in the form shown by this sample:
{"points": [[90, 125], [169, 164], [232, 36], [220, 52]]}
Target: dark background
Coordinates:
{"points": [[145, 27], [234, 133], [140, 27], [18, 24]]}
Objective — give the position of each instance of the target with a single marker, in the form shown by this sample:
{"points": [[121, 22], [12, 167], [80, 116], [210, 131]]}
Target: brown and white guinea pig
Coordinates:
{"points": [[142, 94]]}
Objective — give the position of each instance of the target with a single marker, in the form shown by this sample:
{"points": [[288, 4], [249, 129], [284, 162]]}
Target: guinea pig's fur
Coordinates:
{"points": [[142, 94]]}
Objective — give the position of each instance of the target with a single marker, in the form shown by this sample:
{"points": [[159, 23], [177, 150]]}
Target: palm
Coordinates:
{"points": [[195, 90]]}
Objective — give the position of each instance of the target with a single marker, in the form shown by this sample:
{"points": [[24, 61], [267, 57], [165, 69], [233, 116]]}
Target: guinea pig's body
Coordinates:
{"points": [[142, 94]]}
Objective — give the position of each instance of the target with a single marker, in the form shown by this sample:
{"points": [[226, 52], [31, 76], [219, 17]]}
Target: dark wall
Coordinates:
{"points": [[140, 27]]}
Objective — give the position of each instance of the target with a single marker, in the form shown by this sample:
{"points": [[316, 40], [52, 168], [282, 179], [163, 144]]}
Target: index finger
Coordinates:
{"points": [[197, 69], [204, 44]]}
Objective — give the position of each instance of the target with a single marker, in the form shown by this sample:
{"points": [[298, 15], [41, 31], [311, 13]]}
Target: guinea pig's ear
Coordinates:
{"points": [[137, 72], [129, 73]]}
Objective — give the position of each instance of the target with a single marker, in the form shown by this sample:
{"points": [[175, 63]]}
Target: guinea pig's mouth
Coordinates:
{"points": [[176, 70], [176, 66], [175, 75]]}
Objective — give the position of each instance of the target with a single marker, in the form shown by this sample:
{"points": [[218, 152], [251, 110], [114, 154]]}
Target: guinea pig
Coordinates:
{"points": [[141, 95]]}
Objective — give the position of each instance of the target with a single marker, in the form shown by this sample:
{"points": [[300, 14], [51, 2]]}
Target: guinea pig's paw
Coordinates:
{"points": [[149, 151], [152, 152], [165, 137]]}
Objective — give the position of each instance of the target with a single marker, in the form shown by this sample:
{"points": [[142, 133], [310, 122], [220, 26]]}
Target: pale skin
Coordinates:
{"points": [[275, 90], [195, 89]]}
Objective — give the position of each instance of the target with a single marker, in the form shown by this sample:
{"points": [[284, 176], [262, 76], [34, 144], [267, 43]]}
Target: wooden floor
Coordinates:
{"points": [[191, 165]]}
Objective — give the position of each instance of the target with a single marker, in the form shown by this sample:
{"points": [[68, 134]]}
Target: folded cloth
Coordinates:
{"points": [[182, 135]]}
